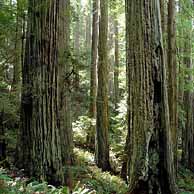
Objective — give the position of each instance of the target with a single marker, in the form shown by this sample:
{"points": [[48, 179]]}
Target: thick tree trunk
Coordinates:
{"points": [[172, 76], [102, 123], [93, 74], [151, 164], [46, 138]]}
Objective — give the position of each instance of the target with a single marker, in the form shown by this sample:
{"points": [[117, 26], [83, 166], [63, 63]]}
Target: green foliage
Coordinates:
{"points": [[81, 127], [9, 105], [104, 183], [101, 182], [118, 130], [185, 181], [9, 112], [20, 186]]}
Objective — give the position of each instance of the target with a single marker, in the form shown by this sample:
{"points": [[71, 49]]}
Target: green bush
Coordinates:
{"points": [[81, 127], [18, 185]]}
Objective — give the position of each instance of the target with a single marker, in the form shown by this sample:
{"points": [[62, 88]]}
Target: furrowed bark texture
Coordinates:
{"points": [[102, 123], [46, 138], [93, 75], [162, 11], [124, 168], [151, 164], [172, 76]]}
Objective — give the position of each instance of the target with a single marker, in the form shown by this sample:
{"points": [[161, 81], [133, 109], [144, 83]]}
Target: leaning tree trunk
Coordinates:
{"points": [[151, 164], [102, 122], [93, 76], [46, 138]]}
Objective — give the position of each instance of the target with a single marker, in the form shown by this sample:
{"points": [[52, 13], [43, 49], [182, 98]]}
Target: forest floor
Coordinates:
{"points": [[185, 181], [87, 179]]}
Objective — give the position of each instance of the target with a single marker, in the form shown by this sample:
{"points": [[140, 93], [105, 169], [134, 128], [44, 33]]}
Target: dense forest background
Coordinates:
{"points": [[97, 96]]}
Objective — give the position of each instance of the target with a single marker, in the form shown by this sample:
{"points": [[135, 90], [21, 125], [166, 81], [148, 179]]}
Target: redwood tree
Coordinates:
{"points": [[151, 164], [102, 121], [46, 137], [172, 75], [93, 72]]}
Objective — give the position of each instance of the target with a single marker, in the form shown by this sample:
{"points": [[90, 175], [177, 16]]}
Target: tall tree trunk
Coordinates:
{"points": [[151, 164], [116, 66], [44, 134], [163, 15], [102, 123], [172, 76], [124, 168], [19, 49], [111, 58], [21, 19], [64, 93], [88, 32], [76, 69], [77, 31], [188, 131], [17, 62], [93, 74]]}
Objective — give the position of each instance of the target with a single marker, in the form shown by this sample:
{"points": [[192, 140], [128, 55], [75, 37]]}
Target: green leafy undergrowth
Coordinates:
{"points": [[185, 181], [81, 127], [101, 182], [87, 179], [19, 185]]}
